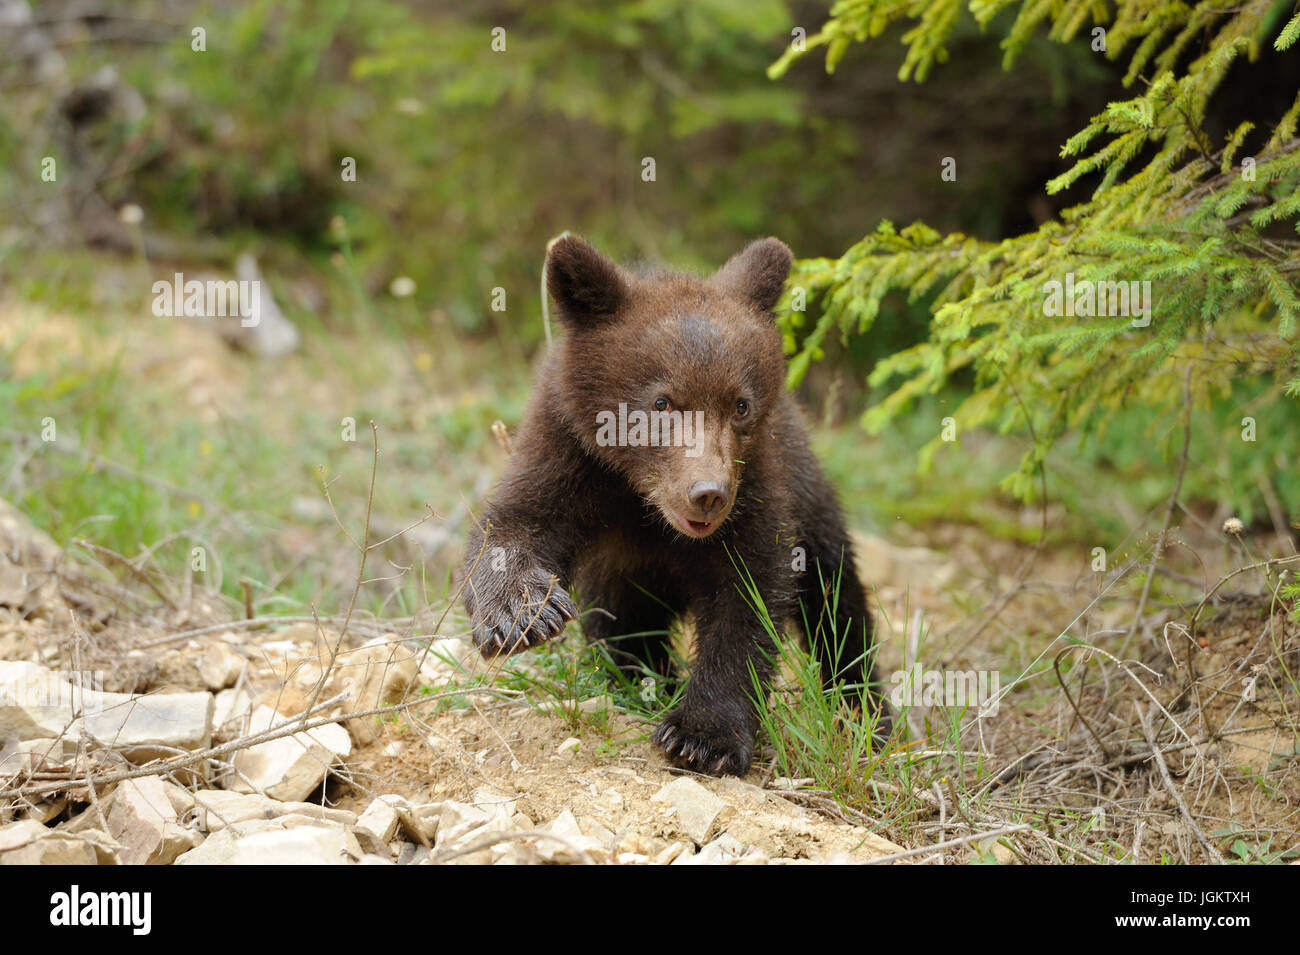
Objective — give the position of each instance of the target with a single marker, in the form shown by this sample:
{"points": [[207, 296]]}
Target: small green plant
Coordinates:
{"points": [[1260, 851], [814, 731], [454, 701], [568, 674], [1291, 593], [607, 748]]}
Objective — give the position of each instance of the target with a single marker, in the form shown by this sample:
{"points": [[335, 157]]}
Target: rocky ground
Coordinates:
{"points": [[137, 727], [134, 733]]}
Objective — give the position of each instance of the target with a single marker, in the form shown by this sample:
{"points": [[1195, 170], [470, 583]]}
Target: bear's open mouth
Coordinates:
{"points": [[690, 527]]}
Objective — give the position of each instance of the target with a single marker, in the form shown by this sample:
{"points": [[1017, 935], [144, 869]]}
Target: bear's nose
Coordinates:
{"points": [[708, 496]]}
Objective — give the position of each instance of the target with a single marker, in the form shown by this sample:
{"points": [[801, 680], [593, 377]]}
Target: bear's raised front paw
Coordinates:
{"points": [[711, 745], [524, 613]]}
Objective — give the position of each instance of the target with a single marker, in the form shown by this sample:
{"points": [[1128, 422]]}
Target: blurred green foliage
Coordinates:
{"points": [[469, 157]]}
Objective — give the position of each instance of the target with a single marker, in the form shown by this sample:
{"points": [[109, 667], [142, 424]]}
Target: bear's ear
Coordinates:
{"points": [[757, 274], [585, 285]]}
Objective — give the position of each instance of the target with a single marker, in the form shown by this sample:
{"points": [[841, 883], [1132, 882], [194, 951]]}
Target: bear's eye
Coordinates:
{"points": [[663, 404], [742, 408]]}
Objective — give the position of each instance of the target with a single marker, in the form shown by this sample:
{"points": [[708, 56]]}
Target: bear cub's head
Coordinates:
{"points": [[668, 378]]}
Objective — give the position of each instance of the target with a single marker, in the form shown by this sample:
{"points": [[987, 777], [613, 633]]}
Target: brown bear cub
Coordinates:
{"points": [[660, 456]]}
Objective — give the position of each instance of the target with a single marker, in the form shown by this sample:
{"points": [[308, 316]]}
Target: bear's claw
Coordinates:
{"points": [[714, 752], [521, 617]]}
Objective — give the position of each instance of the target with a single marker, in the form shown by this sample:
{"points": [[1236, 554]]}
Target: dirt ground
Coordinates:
{"points": [[1082, 764]]}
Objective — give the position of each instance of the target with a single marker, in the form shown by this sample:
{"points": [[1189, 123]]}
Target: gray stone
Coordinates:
{"points": [[30, 843], [380, 818], [23, 756], [230, 714], [457, 820], [413, 855], [720, 851], [143, 819], [37, 703], [287, 840], [380, 673], [698, 810], [575, 843], [290, 767], [216, 809], [219, 665]]}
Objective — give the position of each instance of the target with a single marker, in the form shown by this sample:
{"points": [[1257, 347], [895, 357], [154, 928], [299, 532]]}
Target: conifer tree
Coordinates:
{"points": [[1210, 227]]}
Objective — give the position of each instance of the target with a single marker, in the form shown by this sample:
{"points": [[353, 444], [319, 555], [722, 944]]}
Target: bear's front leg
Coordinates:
{"points": [[714, 728], [515, 598]]}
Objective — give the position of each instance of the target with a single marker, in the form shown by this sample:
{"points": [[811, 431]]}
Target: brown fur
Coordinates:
{"points": [[615, 522]]}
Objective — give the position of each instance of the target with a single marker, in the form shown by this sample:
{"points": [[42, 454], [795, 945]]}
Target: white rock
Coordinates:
{"points": [[672, 853], [30, 754], [266, 331], [216, 809], [290, 767], [182, 799], [598, 831], [288, 840], [420, 823], [457, 820], [492, 811], [721, 850], [30, 843], [698, 810], [19, 834], [37, 703], [220, 665], [143, 820], [380, 817], [513, 852], [230, 714], [575, 843], [177, 840], [381, 673]]}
